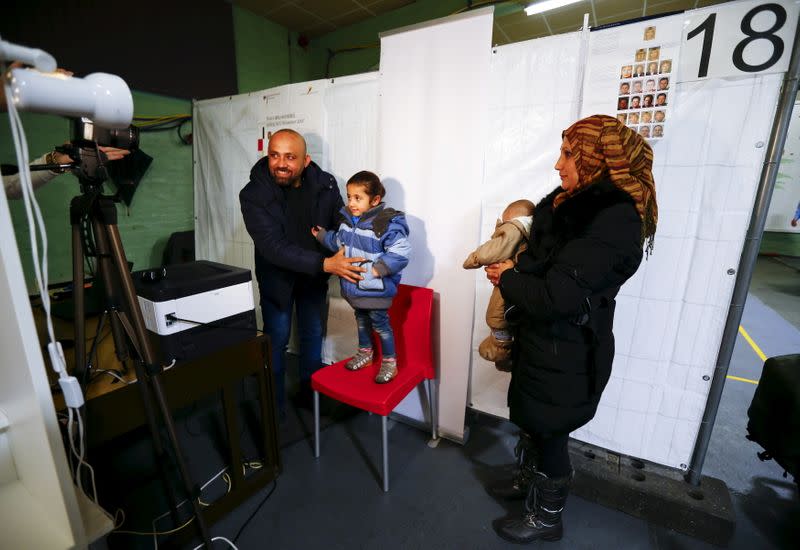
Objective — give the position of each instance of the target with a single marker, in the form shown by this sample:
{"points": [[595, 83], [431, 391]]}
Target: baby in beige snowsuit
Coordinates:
{"points": [[510, 237]]}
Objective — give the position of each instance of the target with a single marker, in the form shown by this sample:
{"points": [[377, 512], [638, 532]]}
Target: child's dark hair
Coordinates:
{"points": [[371, 183]]}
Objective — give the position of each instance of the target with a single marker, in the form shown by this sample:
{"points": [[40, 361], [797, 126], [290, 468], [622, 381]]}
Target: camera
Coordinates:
{"points": [[89, 163], [84, 131]]}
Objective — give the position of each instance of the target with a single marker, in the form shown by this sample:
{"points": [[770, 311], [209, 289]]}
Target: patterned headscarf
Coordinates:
{"points": [[603, 148]]}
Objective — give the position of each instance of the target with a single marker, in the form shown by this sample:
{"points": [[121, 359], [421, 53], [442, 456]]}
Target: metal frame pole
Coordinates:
{"points": [[385, 453], [316, 424], [758, 218]]}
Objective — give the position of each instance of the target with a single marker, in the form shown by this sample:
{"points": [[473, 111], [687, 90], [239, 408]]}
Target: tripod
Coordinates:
{"points": [[98, 214]]}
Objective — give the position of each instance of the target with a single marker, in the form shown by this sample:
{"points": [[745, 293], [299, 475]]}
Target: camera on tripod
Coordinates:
{"points": [[89, 163]]}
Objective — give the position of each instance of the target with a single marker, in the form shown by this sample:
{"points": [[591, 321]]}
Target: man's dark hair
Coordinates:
{"points": [[371, 183]]}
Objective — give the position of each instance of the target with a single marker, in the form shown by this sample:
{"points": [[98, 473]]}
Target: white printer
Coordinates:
{"points": [[195, 308]]}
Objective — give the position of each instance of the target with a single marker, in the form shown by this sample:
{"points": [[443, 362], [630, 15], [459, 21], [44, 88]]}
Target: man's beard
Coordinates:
{"points": [[285, 179]]}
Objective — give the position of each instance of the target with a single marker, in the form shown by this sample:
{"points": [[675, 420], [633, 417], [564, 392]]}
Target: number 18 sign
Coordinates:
{"points": [[738, 38]]}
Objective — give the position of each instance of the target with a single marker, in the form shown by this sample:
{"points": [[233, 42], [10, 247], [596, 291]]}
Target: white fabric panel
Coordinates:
{"points": [[533, 96], [452, 169], [786, 196], [225, 133], [671, 314], [613, 51], [299, 107], [434, 93], [351, 124]]}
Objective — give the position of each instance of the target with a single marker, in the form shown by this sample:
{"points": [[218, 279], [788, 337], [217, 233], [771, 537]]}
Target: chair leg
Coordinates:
{"points": [[316, 424], [385, 445], [433, 409]]}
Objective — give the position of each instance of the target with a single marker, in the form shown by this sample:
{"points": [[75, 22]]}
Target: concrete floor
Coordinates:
{"points": [[776, 282], [437, 497]]}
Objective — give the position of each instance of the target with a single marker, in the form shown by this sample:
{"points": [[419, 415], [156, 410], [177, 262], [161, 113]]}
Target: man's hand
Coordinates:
{"points": [[494, 271], [112, 153], [344, 267]]}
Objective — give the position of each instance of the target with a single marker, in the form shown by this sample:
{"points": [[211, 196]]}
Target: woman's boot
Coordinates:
{"points": [[517, 486], [541, 519]]}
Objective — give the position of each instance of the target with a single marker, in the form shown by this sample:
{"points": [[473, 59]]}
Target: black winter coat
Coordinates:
{"points": [[280, 263], [562, 293]]}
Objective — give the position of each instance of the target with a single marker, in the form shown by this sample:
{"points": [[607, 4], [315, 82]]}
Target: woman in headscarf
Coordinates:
{"points": [[587, 239]]}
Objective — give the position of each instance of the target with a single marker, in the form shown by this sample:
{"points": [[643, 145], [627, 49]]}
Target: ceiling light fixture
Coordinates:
{"points": [[548, 5]]}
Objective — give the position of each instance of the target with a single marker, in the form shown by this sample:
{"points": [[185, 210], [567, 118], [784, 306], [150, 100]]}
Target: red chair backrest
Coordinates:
{"points": [[411, 319]]}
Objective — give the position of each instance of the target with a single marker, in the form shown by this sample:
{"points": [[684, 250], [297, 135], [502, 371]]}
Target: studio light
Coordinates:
{"points": [[104, 98], [548, 5], [30, 56]]}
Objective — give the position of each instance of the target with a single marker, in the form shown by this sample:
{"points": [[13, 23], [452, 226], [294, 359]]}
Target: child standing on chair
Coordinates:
{"points": [[371, 230]]}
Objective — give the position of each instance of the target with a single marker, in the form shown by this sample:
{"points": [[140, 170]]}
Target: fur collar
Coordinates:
{"points": [[577, 211], [552, 228]]}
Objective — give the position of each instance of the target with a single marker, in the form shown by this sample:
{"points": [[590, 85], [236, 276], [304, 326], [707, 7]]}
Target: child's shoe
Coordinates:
{"points": [[388, 370], [495, 349], [362, 358]]}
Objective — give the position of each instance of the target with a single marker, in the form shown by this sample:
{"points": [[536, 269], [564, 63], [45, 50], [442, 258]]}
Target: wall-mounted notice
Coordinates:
{"points": [[299, 107], [631, 74], [738, 38]]}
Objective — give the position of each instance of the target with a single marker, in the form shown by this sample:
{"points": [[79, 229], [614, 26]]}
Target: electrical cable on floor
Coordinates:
{"points": [[274, 486], [81, 461], [252, 464], [114, 374], [149, 533], [219, 538]]}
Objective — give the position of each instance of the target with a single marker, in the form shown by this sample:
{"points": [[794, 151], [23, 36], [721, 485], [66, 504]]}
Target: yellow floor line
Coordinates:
{"points": [[752, 344], [743, 379], [756, 349]]}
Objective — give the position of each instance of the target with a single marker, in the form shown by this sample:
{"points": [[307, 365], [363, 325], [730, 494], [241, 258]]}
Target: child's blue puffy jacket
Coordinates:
{"points": [[381, 236]]}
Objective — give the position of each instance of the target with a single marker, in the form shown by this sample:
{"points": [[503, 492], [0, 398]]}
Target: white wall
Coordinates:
{"points": [[37, 501]]}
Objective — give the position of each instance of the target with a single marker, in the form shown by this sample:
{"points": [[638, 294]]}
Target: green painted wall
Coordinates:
{"points": [[163, 203], [784, 244], [267, 55], [366, 34], [262, 60]]}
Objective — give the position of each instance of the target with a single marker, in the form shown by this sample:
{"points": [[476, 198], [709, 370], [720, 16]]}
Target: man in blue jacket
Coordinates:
{"points": [[286, 196]]}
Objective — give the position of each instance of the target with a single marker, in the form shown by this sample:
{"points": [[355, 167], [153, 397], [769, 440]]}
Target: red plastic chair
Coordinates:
{"points": [[410, 316]]}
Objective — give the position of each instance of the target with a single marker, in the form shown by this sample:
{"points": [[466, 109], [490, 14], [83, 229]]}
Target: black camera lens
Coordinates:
{"points": [[84, 130]]}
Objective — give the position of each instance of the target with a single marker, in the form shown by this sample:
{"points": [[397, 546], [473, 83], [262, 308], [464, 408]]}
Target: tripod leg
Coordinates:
{"points": [[105, 267], [78, 295], [154, 374]]}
